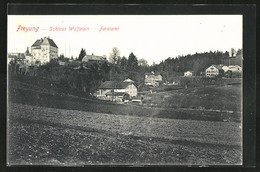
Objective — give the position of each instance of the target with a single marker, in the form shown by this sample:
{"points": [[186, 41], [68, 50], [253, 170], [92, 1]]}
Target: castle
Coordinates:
{"points": [[44, 50]]}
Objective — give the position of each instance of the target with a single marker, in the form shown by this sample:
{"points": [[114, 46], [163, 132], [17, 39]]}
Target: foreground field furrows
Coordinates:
{"points": [[69, 137]]}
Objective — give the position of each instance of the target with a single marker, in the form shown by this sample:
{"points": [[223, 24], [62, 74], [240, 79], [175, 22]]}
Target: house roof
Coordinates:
{"points": [[219, 67], [93, 58], [128, 80], [16, 55], [114, 85], [44, 41]]}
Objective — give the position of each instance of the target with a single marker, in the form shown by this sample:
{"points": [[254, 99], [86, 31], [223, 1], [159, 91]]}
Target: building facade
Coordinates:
{"points": [[15, 56], [214, 70], [188, 73], [116, 89], [152, 79], [235, 68], [44, 50]]}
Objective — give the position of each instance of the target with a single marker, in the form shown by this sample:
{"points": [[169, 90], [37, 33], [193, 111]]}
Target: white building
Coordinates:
{"points": [[214, 70], [232, 68], [235, 68], [225, 68], [188, 73], [117, 89], [44, 50], [15, 56], [152, 79]]}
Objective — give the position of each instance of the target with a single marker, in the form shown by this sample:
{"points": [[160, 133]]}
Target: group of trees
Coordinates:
{"points": [[87, 77], [127, 67]]}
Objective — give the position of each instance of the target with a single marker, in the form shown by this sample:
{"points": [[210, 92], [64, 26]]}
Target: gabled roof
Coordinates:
{"points": [[16, 55], [93, 58], [44, 41], [114, 85], [37, 43], [128, 80], [219, 67]]}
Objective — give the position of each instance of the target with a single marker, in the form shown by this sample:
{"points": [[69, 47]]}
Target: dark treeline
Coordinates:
{"points": [[80, 76], [87, 76], [197, 63]]}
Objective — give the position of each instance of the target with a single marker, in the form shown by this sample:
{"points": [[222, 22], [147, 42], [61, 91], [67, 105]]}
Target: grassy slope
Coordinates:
{"points": [[65, 140], [211, 97], [24, 93]]}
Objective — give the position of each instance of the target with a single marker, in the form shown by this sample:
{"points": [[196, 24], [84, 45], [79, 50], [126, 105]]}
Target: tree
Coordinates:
{"points": [[82, 54], [114, 55], [132, 63], [239, 52], [118, 61], [123, 63], [61, 57], [143, 62]]}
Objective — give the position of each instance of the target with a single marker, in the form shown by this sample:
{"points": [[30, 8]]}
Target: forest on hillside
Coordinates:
{"points": [[86, 77]]}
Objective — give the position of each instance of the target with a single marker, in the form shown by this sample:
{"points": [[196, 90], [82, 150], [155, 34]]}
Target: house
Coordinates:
{"points": [[15, 56], [214, 70], [225, 68], [188, 73], [116, 90], [232, 68], [235, 68], [233, 71], [44, 50], [117, 96], [152, 79], [93, 58]]}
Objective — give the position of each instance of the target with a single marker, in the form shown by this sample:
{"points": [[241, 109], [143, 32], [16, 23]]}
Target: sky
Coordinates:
{"points": [[152, 37]]}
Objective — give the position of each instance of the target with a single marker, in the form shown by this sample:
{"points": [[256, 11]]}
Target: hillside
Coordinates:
{"points": [[27, 93]]}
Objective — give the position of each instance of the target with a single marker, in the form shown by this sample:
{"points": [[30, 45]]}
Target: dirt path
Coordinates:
{"points": [[69, 137]]}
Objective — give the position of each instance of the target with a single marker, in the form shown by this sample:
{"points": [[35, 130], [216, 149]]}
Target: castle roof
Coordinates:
{"points": [[44, 41]]}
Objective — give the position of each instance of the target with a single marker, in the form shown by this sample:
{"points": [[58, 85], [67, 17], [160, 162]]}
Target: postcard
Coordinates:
{"points": [[125, 90]]}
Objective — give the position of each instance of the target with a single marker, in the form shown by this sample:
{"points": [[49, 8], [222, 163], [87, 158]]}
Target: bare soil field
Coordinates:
{"points": [[52, 136]]}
